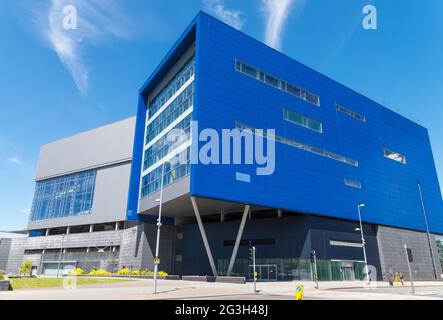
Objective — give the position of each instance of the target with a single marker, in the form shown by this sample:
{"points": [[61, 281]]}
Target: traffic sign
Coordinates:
{"points": [[299, 292]]}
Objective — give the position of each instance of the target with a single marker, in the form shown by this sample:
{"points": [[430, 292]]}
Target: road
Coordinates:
{"points": [[189, 290]]}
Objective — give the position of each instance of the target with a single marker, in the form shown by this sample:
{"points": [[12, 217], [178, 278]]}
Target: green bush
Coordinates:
{"points": [[137, 272], [2, 277], [124, 272], [142, 273], [26, 268], [162, 274], [77, 271], [100, 272]]}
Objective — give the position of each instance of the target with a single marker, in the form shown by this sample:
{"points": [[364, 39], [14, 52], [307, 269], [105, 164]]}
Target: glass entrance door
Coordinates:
{"points": [[347, 270], [265, 272]]}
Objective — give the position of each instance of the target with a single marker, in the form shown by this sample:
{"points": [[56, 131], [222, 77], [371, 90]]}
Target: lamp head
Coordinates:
{"points": [[361, 205]]}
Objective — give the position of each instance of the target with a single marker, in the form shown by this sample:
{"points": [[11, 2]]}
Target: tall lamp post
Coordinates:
{"points": [[61, 255], [427, 229], [159, 224], [133, 231], [363, 242]]}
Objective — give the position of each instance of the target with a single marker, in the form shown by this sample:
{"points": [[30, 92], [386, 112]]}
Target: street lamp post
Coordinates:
{"points": [[110, 258], [427, 229], [159, 224], [363, 242], [132, 252], [61, 255]]}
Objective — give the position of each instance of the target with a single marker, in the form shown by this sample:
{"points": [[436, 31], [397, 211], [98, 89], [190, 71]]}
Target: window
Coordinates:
{"points": [[339, 243], [302, 146], [272, 81], [353, 183], [293, 90], [276, 83], [250, 71], [66, 196], [33, 251], [312, 98], [394, 156], [173, 86], [174, 170], [182, 103], [247, 242], [104, 227], [162, 147], [79, 229], [303, 121], [351, 113]]}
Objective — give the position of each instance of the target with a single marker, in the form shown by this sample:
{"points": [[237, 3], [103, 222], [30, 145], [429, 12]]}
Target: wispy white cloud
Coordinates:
{"points": [[218, 8], [15, 161], [97, 21], [277, 12]]}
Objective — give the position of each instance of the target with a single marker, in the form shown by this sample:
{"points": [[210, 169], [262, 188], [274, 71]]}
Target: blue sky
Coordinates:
{"points": [[54, 84]]}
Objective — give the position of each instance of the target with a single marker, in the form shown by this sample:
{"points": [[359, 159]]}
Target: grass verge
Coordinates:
{"points": [[28, 283]]}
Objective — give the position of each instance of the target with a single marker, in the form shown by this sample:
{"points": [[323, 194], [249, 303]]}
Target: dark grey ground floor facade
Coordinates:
{"points": [[283, 243], [109, 250]]}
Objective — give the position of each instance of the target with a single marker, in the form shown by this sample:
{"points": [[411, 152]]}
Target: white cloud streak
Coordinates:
{"points": [[277, 12], [218, 9], [15, 161], [96, 20]]}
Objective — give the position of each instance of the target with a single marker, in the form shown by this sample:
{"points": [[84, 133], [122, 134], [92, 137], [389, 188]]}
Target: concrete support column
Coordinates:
{"points": [[68, 230], [222, 215], [47, 232], [203, 234], [237, 241], [279, 213], [91, 228]]}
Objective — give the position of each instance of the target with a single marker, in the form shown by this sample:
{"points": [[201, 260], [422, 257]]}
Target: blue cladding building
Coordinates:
{"points": [[327, 150], [334, 149]]}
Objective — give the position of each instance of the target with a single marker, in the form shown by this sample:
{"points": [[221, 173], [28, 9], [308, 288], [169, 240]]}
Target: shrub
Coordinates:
{"points": [[26, 268], [100, 272], [162, 274], [124, 272], [2, 277], [138, 273], [77, 271]]}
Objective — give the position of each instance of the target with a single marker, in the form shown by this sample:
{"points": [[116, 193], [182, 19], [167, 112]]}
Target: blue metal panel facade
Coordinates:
{"points": [[304, 181]]}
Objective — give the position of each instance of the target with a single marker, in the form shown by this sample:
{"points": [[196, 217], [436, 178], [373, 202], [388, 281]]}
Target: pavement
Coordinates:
{"points": [[192, 290]]}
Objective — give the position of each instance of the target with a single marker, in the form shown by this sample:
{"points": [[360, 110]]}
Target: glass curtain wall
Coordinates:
{"points": [[65, 196], [289, 269], [170, 110]]}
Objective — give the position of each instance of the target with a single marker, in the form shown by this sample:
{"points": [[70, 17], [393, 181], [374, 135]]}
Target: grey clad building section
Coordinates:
{"points": [[95, 148], [101, 238], [6, 240], [393, 258], [108, 151]]}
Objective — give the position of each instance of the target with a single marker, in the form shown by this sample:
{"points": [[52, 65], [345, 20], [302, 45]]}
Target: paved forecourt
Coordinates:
{"points": [[170, 289]]}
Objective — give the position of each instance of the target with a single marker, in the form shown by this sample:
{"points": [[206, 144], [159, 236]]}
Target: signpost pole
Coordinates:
{"points": [[409, 267], [255, 273]]}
